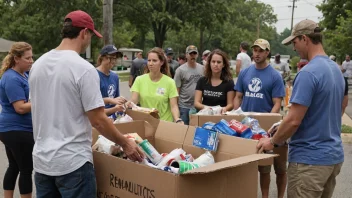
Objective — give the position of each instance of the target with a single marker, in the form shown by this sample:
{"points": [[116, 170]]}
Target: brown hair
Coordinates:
{"points": [[225, 73], [164, 69], [17, 50]]}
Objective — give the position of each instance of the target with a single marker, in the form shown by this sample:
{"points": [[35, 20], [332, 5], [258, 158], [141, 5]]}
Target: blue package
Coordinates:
{"points": [[224, 128], [247, 134], [206, 139], [208, 125]]}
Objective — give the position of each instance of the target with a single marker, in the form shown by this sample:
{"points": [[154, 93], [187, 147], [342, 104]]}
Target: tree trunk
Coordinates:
{"points": [[107, 22], [159, 34]]}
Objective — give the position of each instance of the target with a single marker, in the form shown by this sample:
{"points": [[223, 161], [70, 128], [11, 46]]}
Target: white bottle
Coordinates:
{"points": [[205, 159]]}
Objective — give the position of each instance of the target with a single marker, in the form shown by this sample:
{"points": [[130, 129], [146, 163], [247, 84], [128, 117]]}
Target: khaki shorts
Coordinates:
{"points": [[311, 181], [280, 162]]}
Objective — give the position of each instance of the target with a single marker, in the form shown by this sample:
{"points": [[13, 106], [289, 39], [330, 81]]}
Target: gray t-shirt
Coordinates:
{"points": [[63, 87], [281, 67], [186, 79], [137, 67]]}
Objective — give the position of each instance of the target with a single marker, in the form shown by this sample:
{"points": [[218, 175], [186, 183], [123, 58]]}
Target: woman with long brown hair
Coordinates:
{"points": [[16, 131], [156, 89], [217, 86]]}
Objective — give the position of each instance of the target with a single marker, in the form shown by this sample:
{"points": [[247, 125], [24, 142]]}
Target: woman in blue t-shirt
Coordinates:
{"points": [[16, 131], [109, 81], [217, 86]]}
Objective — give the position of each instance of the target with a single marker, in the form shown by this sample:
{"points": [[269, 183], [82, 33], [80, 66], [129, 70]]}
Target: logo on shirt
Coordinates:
{"points": [[212, 93], [160, 91], [111, 91], [254, 86]]}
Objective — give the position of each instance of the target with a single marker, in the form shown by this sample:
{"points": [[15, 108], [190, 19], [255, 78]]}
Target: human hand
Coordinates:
{"points": [[132, 151], [264, 144]]}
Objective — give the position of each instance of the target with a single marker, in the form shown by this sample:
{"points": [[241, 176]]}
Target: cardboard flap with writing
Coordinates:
{"points": [[169, 136], [240, 161], [137, 115], [122, 178]]}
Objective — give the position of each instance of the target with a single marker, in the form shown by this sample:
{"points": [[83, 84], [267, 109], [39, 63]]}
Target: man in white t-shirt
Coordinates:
{"points": [[66, 103], [347, 67], [243, 61]]}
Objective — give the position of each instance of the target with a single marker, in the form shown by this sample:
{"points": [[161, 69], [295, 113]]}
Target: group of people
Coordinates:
{"points": [[47, 116]]}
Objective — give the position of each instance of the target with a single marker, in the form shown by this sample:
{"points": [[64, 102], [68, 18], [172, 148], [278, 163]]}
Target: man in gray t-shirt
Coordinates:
{"points": [[281, 67], [186, 79], [137, 68]]}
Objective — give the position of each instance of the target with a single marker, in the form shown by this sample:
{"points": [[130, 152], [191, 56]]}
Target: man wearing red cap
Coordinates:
{"points": [[66, 103]]}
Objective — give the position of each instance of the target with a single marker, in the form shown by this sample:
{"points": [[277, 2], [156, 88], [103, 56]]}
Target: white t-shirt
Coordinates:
{"points": [[63, 86], [245, 60], [348, 67]]}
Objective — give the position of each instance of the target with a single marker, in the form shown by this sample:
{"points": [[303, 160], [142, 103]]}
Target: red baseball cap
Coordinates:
{"points": [[81, 19]]}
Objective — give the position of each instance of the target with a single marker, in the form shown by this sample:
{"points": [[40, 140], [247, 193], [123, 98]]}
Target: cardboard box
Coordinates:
{"points": [[235, 173], [266, 120]]}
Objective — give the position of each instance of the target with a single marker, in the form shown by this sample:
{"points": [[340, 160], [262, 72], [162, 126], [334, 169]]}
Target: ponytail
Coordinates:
{"points": [[7, 63]]}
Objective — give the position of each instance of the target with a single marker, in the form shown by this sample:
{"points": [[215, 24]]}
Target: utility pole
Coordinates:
{"points": [[293, 10], [107, 22]]}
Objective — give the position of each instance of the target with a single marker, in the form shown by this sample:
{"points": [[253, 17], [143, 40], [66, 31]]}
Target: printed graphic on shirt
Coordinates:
{"points": [[212, 93], [111, 91], [160, 91], [194, 78], [254, 86]]}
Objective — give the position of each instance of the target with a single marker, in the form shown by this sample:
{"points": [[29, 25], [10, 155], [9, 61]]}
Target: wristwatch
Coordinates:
{"points": [[272, 143], [178, 120]]}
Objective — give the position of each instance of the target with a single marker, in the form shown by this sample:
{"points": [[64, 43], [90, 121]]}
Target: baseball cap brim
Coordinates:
{"points": [[190, 51], [288, 40], [98, 34], [261, 47]]}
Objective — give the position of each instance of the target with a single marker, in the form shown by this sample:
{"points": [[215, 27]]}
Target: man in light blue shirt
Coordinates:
{"points": [[314, 120]]}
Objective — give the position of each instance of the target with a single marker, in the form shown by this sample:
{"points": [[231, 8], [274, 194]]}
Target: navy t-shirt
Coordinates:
{"points": [[320, 87], [14, 87], [213, 96], [259, 87], [109, 86]]}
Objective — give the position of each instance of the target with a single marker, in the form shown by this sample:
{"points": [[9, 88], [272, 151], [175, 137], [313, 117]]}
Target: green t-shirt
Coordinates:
{"points": [[156, 94]]}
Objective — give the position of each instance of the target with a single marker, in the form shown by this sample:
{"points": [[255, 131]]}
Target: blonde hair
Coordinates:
{"points": [[17, 50]]}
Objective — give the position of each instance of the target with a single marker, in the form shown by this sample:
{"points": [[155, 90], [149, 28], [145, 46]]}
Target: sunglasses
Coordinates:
{"points": [[193, 53]]}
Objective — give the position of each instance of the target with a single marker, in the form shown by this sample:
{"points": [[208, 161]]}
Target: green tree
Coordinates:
{"points": [[333, 10]]}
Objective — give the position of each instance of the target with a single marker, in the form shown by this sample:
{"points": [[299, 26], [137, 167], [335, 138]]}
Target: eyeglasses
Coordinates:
{"points": [[112, 58]]}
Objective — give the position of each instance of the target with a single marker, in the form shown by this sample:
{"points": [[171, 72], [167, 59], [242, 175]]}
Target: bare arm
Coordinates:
{"points": [[290, 123], [238, 67], [130, 80], [135, 97], [238, 100], [174, 109], [102, 123], [277, 105], [230, 99], [22, 107], [198, 100], [344, 103], [178, 90], [112, 110]]}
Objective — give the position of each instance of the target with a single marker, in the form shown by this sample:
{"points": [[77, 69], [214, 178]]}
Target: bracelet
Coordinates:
{"points": [[272, 142]]}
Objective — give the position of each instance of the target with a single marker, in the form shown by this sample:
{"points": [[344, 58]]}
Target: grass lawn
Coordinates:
{"points": [[124, 76], [346, 129]]}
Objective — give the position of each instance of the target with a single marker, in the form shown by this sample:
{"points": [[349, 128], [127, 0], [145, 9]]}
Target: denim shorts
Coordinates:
{"points": [[80, 183]]}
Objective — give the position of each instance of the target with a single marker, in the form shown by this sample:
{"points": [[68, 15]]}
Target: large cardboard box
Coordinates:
{"points": [[235, 173]]}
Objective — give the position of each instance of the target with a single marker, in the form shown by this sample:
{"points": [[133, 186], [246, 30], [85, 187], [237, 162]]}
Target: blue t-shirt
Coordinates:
{"points": [[14, 87], [259, 87], [109, 86], [320, 87]]}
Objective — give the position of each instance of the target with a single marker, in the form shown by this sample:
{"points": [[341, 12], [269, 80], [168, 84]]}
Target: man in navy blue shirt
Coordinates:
{"points": [[314, 120], [260, 89]]}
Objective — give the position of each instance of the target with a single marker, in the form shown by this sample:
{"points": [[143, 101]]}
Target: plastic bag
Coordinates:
{"points": [[123, 119], [235, 112]]}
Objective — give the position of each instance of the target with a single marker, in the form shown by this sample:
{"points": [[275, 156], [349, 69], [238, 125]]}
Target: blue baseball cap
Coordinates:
{"points": [[108, 49], [169, 51]]}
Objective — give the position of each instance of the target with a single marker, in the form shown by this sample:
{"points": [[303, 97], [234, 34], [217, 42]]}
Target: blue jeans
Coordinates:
{"points": [[184, 115], [78, 184]]}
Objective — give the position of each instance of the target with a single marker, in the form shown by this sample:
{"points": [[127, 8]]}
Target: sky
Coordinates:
{"points": [[305, 10]]}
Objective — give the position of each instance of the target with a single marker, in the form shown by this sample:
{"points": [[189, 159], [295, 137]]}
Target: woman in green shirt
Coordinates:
{"points": [[156, 89]]}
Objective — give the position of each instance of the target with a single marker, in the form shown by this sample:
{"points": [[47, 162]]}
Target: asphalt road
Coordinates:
{"points": [[344, 180]]}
